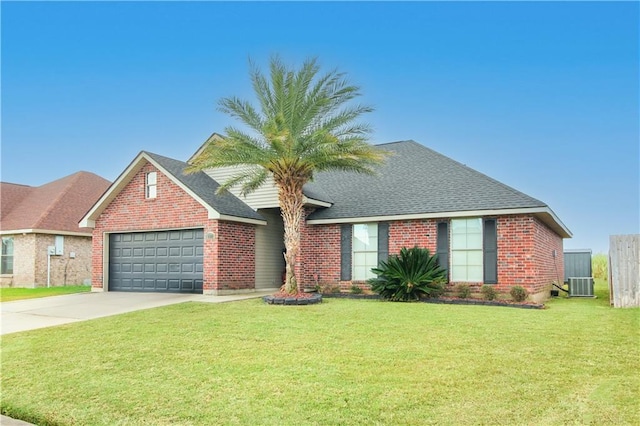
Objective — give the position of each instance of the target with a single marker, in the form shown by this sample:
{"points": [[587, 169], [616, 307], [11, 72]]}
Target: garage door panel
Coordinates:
{"points": [[157, 261]]}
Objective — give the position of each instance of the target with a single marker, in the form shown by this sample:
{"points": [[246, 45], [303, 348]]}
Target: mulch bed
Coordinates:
{"points": [[314, 298], [282, 298], [446, 301]]}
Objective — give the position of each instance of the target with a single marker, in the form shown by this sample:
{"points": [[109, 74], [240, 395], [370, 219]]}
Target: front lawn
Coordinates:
{"points": [[9, 294], [347, 362]]}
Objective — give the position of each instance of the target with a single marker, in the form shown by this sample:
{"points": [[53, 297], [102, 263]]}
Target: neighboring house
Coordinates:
{"points": [[35, 219], [158, 229]]}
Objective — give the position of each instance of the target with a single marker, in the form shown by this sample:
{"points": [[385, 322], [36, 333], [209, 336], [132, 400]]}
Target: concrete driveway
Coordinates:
{"points": [[30, 314]]}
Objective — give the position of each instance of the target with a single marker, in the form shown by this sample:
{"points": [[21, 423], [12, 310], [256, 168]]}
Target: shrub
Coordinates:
{"points": [[408, 276], [489, 292], [518, 293], [355, 289], [463, 291]]}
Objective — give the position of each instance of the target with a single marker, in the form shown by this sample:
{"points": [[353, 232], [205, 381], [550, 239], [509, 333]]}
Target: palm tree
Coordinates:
{"points": [[302, 125]]}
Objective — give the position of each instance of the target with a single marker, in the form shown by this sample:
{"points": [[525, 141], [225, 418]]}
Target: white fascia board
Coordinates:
{"points": [[242, 220], [538, 211], [314, 202], [44, 231], [559, 223]]}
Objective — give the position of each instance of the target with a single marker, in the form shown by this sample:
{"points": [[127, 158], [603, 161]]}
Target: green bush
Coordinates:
{"points": [[412, 274], [518, 293], [355, 289], [463, 291], [489, 292], [600, 266]]}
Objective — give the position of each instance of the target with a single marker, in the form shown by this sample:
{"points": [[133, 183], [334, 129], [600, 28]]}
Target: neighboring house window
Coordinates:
{"points": [[365, 250], [466, 250], [152, 185], [6, 260]]}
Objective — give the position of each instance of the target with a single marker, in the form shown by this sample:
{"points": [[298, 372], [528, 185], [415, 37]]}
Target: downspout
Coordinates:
{"points": [[48, 268]]}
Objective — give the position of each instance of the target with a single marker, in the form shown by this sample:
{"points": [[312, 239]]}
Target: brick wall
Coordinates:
{"points": [[525, 253], [23, 262], [410, 233], [319, 255], [30, 261], [174, 208], [236, 254], [65, 270], [548, 257]]}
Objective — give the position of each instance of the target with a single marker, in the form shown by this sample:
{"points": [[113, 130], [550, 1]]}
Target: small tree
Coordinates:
{"points": [[301, 125]]}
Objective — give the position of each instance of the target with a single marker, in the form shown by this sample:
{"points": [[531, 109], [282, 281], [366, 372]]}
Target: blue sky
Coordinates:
{"points": [[542, 96]]}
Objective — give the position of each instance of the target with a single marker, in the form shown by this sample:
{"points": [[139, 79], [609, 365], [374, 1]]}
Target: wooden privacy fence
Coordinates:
{"points": [[624, 271]]}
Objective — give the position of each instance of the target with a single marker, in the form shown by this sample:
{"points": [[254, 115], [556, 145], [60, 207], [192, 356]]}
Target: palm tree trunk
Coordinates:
{"points": [[291, 201]]}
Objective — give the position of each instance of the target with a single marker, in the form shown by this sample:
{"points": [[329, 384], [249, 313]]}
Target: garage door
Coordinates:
{"points": [[165, 261]]}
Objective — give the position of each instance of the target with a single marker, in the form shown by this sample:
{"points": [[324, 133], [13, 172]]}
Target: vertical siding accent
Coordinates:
{"points": [[442, 246], [266, 196], [345, 252], [269, 249], [490, 252], [383, 241]]}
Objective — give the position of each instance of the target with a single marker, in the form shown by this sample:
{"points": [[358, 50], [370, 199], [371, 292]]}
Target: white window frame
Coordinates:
{"points": [[7, 258], [364, 251], [151, 185], [466, 251]]}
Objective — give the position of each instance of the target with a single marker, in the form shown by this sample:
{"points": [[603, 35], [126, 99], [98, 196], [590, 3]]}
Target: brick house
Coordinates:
{"points": [[33, 219], [158, 229]]}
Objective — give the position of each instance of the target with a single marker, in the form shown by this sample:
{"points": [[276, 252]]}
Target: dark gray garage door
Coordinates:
{"points": [[164, 261]]}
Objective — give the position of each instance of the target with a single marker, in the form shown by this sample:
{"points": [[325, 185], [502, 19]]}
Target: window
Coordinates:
{"points": [[365, 250], [6, 259], [151, 187], [466, 250]]}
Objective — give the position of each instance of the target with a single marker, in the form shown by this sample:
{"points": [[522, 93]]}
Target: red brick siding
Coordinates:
{"points": [[548, 268], [236, 254], [173, 208], [515, 252], [320, 255], [410, 233], [525, 247]]}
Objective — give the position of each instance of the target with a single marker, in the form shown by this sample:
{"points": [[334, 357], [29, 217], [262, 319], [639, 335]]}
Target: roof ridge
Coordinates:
{"points": [[398, 142], [17, 184]]}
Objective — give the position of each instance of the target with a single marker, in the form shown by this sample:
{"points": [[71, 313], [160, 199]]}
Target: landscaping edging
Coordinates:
{"points": [[484, 302], [443, 301], [277, 300]]}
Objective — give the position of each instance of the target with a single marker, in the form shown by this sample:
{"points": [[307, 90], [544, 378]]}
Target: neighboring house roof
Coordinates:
{"points": [[198, 185], [54, 207], [416, 181]]}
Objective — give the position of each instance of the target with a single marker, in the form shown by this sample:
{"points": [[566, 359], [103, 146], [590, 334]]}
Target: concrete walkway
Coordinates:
{"points": [[31, 314]]}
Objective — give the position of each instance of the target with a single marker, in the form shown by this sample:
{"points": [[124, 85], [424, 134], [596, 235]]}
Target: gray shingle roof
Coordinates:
{"points": [[415, 180], [205, 187]]}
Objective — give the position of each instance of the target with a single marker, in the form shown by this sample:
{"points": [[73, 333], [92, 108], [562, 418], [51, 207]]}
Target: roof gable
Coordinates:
{"points": [[55, 206], [198, 185]]}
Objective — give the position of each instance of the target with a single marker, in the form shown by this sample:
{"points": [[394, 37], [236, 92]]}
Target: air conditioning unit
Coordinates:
{"points": [[581, 287]]}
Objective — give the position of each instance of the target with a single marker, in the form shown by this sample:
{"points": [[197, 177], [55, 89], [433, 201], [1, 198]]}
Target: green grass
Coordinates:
{"points": [[10, 294], [342, 362]]}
